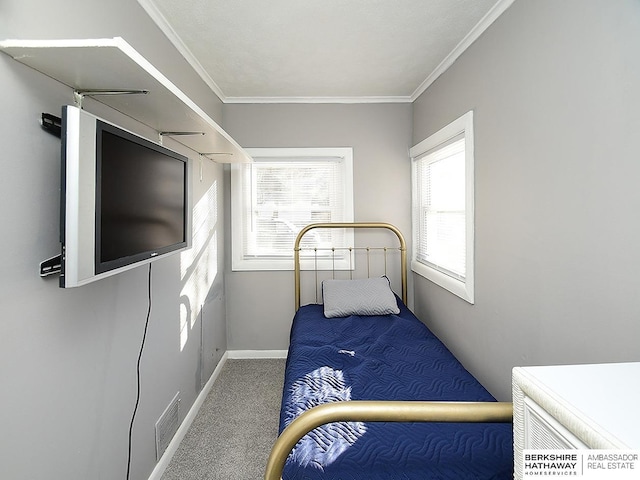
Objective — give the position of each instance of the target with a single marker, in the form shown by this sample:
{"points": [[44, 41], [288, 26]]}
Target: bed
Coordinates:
{"points": [[370, 393]]}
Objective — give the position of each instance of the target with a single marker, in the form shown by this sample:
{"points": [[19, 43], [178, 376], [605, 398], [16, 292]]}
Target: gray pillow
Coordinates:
{"points": [[368, 296]]}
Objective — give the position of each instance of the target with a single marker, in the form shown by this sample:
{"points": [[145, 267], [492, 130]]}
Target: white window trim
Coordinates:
{"points": [[463, 125], [238, 262]]}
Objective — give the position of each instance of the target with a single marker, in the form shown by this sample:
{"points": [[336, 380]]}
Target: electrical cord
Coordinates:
{"points": [[135, 409]]}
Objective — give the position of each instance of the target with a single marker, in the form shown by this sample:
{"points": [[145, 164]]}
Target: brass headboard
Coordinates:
{"points": [[355, 225]]}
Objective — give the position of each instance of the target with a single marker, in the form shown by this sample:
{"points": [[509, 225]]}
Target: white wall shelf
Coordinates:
{"points": [[112, 64]]}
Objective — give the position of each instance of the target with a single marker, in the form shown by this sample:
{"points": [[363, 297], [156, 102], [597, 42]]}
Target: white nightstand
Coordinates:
{"points": [[575, 406]]}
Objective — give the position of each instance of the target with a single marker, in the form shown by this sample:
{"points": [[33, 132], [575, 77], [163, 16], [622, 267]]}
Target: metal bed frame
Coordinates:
{"points": [[374, 411]]}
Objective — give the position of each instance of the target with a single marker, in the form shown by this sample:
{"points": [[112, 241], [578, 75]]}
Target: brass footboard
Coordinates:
{"points": [[381, 411]]}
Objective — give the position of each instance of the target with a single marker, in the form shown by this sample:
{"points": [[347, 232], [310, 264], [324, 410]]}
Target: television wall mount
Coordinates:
{"points": [[51, 124], [51, 266]]}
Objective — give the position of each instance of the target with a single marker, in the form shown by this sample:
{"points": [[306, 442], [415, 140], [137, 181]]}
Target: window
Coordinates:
{"points": [[443, 231], [283, 190]]}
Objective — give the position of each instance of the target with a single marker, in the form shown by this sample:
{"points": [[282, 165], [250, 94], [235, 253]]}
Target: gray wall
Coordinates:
{"points": [[68, 357], [260, 304], [554, 88]]}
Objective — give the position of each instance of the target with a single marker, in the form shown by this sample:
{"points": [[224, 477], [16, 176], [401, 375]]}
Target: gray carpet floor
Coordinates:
{"points": [[233, 432]]}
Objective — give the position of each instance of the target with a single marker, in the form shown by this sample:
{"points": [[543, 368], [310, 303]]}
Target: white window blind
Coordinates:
{"points": [[441, 213], [443, 207], [278, 194]]}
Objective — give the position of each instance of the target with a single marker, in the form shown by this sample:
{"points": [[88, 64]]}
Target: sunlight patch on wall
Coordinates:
{"points": [[199, 264], [184, 325], [205, 218]]}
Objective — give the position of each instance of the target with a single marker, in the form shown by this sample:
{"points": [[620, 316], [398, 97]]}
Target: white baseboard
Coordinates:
{"points": [[163, 463], [247, 354]]}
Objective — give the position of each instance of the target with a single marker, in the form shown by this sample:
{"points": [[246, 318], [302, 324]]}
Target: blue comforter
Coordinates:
{"points": [[392, 357]]}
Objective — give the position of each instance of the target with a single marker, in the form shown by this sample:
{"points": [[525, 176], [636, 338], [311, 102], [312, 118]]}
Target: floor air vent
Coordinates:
{"points": [[167, 425]]}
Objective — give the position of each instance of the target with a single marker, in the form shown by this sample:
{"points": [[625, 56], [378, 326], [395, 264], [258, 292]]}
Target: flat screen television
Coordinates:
{"points": [[125, 200]]}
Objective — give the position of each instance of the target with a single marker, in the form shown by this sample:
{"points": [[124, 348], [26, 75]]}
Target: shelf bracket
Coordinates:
{"points": [[51, 266], [208, 155], [176, 134], [78, 95]]}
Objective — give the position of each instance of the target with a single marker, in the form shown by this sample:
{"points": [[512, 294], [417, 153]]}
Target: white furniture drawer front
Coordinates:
{"points": [[567, 407], [542, 431]]}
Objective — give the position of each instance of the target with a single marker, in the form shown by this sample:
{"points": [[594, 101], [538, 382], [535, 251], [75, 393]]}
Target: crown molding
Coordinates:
{"points": [[484, 23], [370, 99]]}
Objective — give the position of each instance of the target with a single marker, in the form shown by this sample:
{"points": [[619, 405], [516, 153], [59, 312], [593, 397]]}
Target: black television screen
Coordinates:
{"points": [[125, 199], [140, 199]]}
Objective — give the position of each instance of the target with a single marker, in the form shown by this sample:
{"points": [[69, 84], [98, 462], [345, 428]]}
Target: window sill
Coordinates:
{"points": [[463, 289]]}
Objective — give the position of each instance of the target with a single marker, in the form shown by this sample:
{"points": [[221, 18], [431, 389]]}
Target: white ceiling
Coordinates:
{"points": [[322, 50]]}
